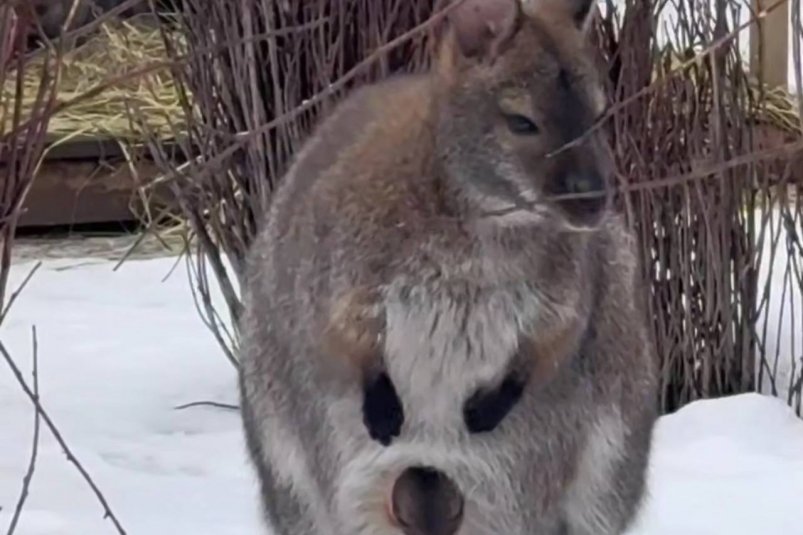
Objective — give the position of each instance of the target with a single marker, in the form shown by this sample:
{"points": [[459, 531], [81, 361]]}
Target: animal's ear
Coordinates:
{"points": [[481, 27]]}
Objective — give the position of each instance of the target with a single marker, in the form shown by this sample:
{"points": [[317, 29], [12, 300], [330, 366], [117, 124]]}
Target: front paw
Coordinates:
{"points": [[382, 410]]}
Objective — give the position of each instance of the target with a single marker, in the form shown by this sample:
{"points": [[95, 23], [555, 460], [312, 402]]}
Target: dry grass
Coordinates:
{"points": [[110, 53]]}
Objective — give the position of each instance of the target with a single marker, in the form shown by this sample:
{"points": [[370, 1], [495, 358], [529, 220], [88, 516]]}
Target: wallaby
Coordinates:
{"points": [[437, 340]]}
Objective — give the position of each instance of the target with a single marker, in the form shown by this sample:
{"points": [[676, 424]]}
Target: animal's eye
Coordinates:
{"points": [[486, 409], [521, 125]]}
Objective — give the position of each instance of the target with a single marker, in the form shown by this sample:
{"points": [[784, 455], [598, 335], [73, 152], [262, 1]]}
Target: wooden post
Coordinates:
{"points": [[769, 45]]}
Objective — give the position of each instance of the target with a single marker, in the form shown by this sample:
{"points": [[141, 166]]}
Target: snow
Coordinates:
{"points": [[729, 466], [119, 350]]}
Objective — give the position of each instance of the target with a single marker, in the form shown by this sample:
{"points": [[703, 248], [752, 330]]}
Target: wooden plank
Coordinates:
{"points": [[769, 44], [76, 192], [86, 180], [84, 147]]}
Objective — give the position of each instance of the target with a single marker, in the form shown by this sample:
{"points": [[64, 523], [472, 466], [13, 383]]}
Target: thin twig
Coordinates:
{"points": [[703, 171], [107, 511], [130, 250], [219, 405], [243, 138], [26, 481], [16, 293]]}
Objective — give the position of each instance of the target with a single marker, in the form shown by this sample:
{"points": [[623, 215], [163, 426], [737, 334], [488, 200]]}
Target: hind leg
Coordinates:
{"points": [[284, 512], [608, 497]]}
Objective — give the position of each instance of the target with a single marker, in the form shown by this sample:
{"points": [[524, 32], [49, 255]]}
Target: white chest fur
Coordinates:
{"points": [[443, 341]]}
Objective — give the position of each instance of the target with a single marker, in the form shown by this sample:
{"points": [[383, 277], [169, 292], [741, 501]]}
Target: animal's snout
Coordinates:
{"points": [[424, 501], [585, 196], [589, 182]]}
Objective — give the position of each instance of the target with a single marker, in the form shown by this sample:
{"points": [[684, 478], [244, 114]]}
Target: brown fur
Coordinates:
{"points": [[354, 332], [545, 349]]}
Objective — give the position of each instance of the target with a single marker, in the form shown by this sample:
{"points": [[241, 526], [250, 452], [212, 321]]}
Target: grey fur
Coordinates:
{"points": [[388, 198]]}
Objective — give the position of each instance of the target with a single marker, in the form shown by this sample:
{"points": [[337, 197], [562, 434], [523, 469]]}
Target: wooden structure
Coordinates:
{"points": [[85, 181], [769, 43]]}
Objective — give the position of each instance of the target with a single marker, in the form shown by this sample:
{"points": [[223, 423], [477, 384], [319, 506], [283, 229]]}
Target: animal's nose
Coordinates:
{"points": [[585, 183], [424, 501], [588, 196]]}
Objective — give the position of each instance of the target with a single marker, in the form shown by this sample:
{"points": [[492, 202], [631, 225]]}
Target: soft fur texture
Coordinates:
{"points": [[415, 236]]}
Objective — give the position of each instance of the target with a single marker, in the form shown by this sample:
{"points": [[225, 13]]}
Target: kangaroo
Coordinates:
{"points": [[437, 339]]}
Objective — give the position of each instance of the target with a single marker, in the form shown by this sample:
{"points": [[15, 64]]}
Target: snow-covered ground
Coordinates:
{"points": [[118, 350]]}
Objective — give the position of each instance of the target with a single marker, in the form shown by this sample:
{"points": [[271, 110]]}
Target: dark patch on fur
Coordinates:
{"points": [[486, 409], [382, 410]]}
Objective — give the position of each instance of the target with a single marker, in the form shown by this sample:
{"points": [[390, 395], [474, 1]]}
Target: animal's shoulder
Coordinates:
{"points": [[385, 153], [360, 160], [354, 195], [622, 287], [363, 131]]}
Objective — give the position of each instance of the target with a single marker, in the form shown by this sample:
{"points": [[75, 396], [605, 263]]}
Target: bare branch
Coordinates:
{"points": [[26, 481], [4, 310], [207, 404], [107, 511]]}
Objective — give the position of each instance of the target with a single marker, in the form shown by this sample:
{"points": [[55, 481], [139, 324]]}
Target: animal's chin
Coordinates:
{"points": [[502, 214], [584, 216], [509, 212], [514, 217]]}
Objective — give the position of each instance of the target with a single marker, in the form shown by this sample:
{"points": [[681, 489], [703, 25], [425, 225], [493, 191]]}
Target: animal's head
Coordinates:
{"points": [[517, 84]]}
